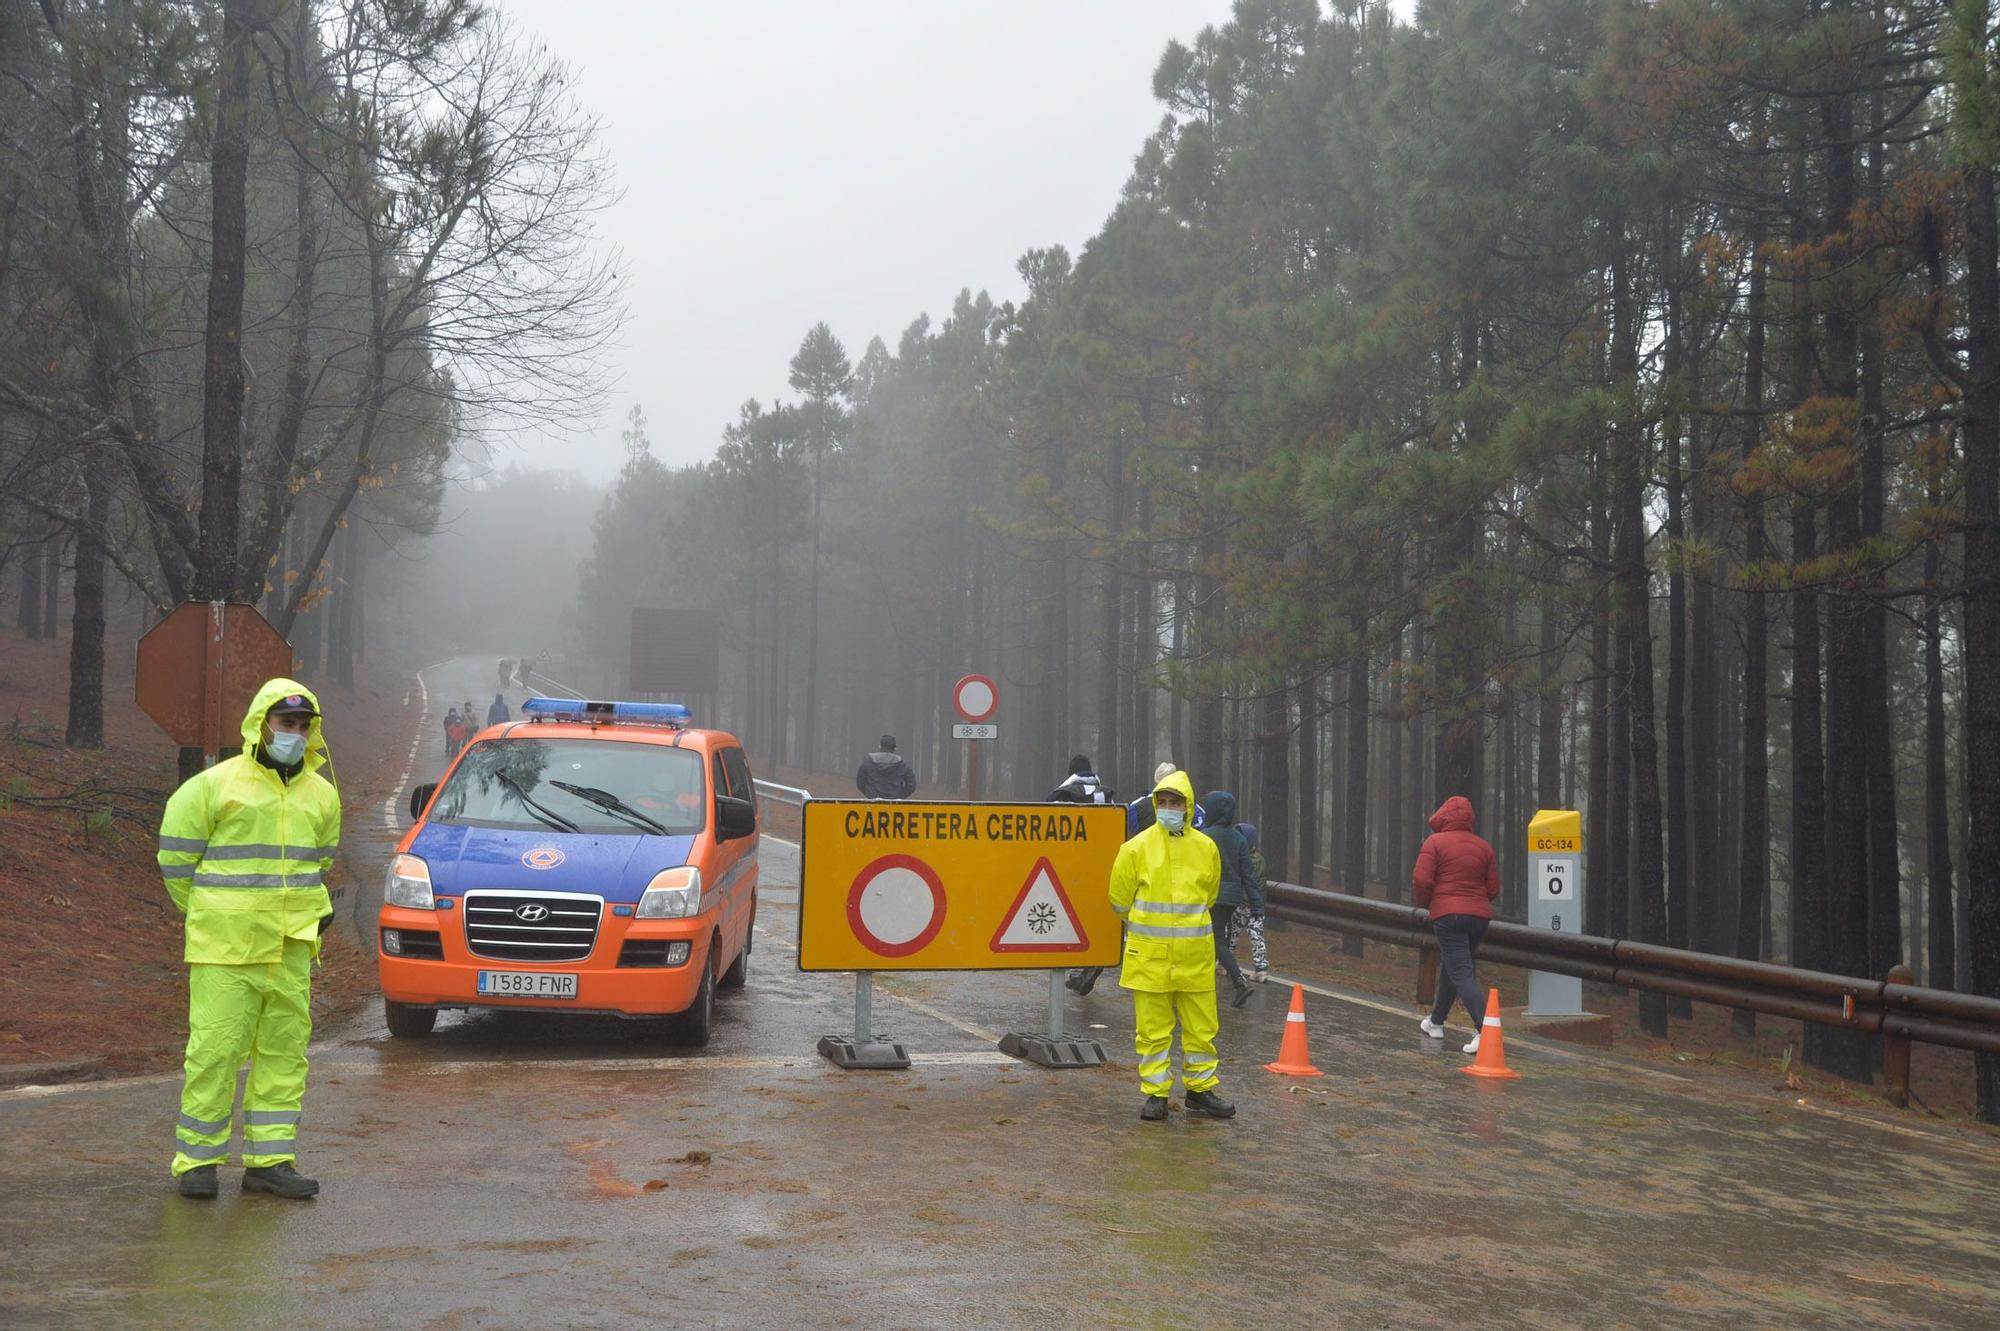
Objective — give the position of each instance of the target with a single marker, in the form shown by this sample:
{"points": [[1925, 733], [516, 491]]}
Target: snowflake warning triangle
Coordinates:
{"points": [[1041, 918]]}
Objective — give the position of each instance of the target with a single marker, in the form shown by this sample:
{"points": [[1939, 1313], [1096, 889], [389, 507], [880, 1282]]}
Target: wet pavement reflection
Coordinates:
{"points": [[533, 1171]]}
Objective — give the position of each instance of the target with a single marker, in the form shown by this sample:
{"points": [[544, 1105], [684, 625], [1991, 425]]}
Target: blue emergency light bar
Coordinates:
{"points": [[606, 713]]}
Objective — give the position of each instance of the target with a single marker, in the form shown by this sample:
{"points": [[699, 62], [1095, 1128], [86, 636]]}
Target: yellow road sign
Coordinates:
{"points": [[896, 885]]}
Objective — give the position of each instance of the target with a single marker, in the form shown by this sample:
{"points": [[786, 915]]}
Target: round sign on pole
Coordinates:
{"points": [[976, 698], [896, 905]]}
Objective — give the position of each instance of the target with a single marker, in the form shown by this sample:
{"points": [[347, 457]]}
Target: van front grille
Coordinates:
{"points": [[531, 926]]}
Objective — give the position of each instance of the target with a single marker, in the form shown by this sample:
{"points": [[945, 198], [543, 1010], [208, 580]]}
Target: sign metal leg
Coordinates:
{"points": [[1051, 1048], [865, 1049]]}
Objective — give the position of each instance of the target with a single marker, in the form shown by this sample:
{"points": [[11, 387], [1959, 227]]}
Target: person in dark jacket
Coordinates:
{"points": [[883, 775], [1456, 879], [1251, 919], [1081, 786], [1239, 880], [498, 711]]}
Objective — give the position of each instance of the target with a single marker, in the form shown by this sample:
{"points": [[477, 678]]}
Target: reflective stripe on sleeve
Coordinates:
{"points": [[176, 871], [1171, 931], [183, 843]]}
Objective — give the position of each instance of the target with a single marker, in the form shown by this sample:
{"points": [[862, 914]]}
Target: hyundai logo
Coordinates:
{"points": [[532, 912]]}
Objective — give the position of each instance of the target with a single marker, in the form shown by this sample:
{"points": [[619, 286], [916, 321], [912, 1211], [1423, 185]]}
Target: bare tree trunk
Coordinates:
{"points": [[1274, 795], [1648, 878], [1754, 845], [51, 585], [1308, 804], [28, 614], [1597, 845], [1354, 850], [1397, 787], [222, 378], [1678, 885], [85, 726], [1548, 715], [1982, 609]]}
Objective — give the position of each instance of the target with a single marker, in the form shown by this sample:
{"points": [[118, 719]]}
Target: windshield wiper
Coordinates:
{"points": [[610, 803], [541, 811]]}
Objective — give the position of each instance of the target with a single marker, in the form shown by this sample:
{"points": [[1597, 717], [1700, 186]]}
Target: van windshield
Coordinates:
{"points": [[540, 785]]}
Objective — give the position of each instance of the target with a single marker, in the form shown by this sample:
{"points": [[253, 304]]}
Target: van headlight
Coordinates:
{"points": [[409, 884], [673, 894]]}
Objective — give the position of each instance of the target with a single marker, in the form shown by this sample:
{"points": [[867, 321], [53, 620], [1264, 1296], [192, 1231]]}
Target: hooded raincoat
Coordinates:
{"points": [[1163, 886], [1456, 871], [245, 850]]}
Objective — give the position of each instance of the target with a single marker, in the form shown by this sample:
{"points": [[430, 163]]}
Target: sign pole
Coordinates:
{"points": [[1055, 1005], [972, 769], [211, 697], [864, 1006]]}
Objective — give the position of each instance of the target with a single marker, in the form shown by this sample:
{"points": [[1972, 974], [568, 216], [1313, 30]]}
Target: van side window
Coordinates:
{"points": [[740, 783]]}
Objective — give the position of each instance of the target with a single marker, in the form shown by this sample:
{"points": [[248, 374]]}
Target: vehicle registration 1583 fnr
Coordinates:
{"points": [[526, 984]]}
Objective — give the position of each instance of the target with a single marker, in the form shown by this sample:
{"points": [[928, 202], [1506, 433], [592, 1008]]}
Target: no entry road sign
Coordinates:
{"points": [[976, 698], [893, 885]]}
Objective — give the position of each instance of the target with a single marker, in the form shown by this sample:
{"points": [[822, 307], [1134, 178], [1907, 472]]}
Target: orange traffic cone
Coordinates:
{"points": [[1492, 1059], [1293, 1060]]}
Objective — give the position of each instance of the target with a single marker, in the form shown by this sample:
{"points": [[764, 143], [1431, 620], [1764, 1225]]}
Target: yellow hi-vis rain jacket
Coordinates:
{"points": [[1163, 887], [245, 853]]}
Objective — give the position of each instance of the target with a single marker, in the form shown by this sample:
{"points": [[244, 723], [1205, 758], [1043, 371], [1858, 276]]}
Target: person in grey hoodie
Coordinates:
{"points": [[883, 775], [1240, 884]]}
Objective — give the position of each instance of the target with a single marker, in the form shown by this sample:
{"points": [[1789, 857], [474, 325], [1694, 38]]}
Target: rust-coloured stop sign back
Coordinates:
{"points": [[201, 665]]}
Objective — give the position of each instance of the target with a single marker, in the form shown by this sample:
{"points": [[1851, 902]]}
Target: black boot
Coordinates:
{"points": [[1243, 991], [1154, 1110], [280, 1180], [198, 1182], [1083, 981], [1209, 1103]]}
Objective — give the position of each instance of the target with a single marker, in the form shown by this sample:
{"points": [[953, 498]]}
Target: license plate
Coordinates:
{"points": [[526, 984]]}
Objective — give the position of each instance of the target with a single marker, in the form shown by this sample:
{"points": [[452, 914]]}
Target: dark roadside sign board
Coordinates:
{"points": [[200, 667]]}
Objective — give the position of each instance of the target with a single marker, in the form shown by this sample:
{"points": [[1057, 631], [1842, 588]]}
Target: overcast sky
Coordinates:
{"points": [[787, 161]]}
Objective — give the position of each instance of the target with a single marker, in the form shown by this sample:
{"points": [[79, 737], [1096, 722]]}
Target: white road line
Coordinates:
{"points": [[936, 1014], [389, 819], [375, 1067], [459, 1067], [1521, 1041]]}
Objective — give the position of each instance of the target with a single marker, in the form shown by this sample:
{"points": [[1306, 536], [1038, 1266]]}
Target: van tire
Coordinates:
{"points": [[691, 1028], [407, 1022]]}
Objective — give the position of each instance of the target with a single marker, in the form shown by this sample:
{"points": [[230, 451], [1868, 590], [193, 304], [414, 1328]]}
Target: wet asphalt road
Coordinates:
{"points": [[541, 1172]]}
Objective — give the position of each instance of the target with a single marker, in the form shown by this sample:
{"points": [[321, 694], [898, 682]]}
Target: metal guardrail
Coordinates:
{"points": [[1892, 1007], [793, 795]]}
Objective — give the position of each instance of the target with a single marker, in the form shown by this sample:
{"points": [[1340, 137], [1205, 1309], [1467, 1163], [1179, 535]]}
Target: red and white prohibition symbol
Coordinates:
{"points": [[976, 697], [896, 905]]}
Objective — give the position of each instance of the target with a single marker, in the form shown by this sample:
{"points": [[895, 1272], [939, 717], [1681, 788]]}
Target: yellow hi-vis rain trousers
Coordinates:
{"points": [[262, 1012], [1155, 1014]]}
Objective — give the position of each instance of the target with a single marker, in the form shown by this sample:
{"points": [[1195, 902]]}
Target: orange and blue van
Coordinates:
{"points": [[590, 857]]}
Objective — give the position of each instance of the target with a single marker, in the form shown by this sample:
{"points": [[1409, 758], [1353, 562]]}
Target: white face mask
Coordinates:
{"points": [[285, 747], [1173, 819]]}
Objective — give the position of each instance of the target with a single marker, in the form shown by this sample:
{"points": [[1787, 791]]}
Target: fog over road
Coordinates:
{"points": [[537, 1171]]}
